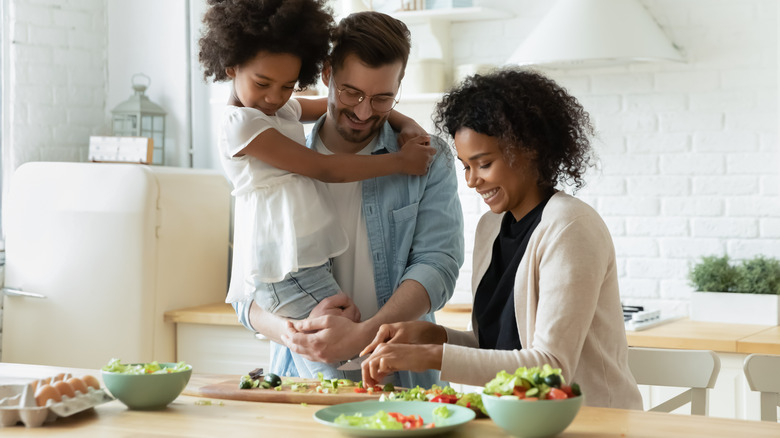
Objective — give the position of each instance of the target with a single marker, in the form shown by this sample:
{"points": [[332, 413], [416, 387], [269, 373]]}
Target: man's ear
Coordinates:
{"points": [[326, 71], [231, 72]]}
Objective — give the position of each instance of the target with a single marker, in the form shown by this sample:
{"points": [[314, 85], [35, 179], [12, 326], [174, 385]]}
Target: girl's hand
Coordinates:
{"points": [[389, 358], [416, 155], [338, 305], [409, 130], [409, 332]]}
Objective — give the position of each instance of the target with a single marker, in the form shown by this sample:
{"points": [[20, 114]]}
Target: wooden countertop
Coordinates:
{"points": [[456, 316], [186, 417], [213, 314], [682, 333], [764, 342], [700, 335]]}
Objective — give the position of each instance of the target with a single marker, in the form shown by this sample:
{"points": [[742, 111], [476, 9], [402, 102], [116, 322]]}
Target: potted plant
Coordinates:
{"points": [[746, 292]]}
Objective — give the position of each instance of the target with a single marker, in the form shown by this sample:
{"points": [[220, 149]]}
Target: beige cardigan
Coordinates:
{"points": [[567, 305]]}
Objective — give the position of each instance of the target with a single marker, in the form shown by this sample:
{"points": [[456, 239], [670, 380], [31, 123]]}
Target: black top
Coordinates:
{"points": [[494, 301]]}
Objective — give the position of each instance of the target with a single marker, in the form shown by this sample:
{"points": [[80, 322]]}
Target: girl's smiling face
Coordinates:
{"points": [[265, 82], [503, 187]]}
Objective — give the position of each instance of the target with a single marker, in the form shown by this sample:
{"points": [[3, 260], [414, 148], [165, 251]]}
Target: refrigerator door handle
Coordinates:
{"points": [[20, 293]]}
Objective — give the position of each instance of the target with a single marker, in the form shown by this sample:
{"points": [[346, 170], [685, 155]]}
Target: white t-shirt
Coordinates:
{"points": [[353, 270], [283, 221]]}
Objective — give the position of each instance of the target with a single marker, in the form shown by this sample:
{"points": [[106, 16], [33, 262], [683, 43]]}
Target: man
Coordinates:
{"points": [[405, 232]]}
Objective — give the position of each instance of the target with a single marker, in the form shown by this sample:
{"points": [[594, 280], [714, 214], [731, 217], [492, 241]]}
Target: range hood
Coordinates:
{"points": [[595, 33]]}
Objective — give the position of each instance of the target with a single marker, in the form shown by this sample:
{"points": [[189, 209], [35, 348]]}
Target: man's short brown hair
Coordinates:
{"points": [[377, 39]]}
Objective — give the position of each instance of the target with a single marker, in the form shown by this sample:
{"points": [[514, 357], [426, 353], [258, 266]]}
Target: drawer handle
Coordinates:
{"points": [[20, 293]]}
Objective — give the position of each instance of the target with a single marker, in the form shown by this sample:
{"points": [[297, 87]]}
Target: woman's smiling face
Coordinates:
{"points": [[503, 187]]}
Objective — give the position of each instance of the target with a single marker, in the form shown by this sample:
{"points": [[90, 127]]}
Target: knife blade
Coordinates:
{"points": [[352, 364]]}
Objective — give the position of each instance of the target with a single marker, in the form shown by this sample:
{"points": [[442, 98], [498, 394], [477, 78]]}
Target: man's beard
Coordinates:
{"points": [[354, 136]]}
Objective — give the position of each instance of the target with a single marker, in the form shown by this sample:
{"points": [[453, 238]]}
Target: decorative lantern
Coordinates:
{"points": [[140, 117]]}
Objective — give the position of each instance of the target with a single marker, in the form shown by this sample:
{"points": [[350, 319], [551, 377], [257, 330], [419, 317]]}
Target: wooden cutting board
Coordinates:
{"points": [[226, 387]]}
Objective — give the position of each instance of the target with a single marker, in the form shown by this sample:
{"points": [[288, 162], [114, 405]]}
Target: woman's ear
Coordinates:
{"points": [[231, 72]]}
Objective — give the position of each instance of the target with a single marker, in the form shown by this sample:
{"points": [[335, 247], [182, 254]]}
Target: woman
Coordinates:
{"points": [[544, 277]]}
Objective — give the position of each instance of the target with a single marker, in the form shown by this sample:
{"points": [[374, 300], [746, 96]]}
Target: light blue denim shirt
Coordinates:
{"points": [[415, 232]]}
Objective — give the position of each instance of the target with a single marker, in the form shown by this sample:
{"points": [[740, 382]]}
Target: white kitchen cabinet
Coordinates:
{"points": [[221, 349]]}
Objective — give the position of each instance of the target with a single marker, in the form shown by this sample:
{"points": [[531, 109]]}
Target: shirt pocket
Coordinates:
{"points": [[403, 226]]}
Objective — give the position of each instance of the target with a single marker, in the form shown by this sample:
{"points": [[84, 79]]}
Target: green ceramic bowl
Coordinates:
{"points": [[147, 391], [532, 419]]}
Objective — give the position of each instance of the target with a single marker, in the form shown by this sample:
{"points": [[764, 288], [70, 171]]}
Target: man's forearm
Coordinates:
{"points": [[409, 302]]}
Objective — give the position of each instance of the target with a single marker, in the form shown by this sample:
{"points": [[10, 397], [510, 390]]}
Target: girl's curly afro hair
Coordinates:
{"points": [[237, 30], [529, 114]]}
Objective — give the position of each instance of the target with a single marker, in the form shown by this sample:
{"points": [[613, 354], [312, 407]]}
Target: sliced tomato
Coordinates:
{"points": [[567, 390], [556, 394], [445, 398], [397, 416], [409, 421], [360, 390], [519, 391]]}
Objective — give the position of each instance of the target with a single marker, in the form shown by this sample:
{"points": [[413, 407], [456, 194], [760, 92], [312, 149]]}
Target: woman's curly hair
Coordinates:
{"points": [[528, 113], [237, 30]]}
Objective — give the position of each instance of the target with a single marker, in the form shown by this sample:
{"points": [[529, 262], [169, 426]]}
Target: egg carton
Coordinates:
{"points": [[17, 404]]}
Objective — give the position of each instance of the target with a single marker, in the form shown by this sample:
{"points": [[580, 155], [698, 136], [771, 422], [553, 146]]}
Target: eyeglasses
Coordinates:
{"points": [[352, 97]]}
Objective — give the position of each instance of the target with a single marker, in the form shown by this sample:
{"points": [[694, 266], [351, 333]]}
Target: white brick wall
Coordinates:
{"points": [[57, 79], [689, 152]]}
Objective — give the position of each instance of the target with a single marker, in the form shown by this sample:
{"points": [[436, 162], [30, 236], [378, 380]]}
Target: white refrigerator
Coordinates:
{"points": [[96, 253]]}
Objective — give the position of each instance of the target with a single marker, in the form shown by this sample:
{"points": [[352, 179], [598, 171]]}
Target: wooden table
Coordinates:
{"points": [[186, 416]]}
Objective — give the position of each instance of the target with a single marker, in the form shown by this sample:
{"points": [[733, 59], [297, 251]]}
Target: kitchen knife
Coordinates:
{"points": [[353, 364]]}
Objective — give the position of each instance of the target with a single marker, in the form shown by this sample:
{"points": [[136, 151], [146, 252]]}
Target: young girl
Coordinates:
{"points": [[284, 230]]}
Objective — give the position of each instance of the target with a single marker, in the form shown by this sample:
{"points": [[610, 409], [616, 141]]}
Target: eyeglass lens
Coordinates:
{"points": [[352, 97]]}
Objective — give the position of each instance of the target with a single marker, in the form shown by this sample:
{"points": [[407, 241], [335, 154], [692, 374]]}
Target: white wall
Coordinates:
{"points": [[54, 94], [70, 62], [690, 163], [689, 152], [150, 37]]}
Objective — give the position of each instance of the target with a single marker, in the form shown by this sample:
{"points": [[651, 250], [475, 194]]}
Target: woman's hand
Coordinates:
{"points": [[337, 305], [389, 358], [409, 332]]}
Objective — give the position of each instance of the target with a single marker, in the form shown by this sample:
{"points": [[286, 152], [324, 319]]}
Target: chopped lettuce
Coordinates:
{"points": [[532, 379], [472, 400], [380, 420], [116, 366], [442, 412]]}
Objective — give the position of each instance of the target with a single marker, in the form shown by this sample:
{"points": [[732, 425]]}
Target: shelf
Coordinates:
{"points": [[451, 14]]}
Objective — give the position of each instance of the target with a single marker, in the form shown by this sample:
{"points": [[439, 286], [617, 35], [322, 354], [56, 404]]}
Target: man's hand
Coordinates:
{"points": [[337, 305], [410, 332], [328, 338], [389, 358]]}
